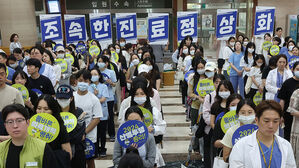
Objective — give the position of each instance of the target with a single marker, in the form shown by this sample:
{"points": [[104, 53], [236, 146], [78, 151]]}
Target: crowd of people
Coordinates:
{"points": [[124, 78]]}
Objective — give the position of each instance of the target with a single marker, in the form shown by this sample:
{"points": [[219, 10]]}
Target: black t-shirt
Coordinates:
{"points": [[13, 157], [216, 109], [286, 91], [43, 84], [218, 134], [63, 137]]}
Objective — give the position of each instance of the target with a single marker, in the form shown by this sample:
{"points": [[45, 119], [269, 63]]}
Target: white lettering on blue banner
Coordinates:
{"points": [[75, 29], [264, 20], [226, 23], [50, 25], [158, 28], [126, 27], [187, 25]]}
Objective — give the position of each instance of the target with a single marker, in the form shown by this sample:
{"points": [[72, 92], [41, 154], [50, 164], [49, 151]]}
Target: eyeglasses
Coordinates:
{"points": [[11, 123]]}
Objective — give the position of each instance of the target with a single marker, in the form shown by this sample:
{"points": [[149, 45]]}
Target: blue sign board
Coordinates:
{"points": [[187, 25], [126, 27], [132, 132], [226, 23], [158, 28], [50, 25], [243, 131], [89, 149], [264, 20], [100, 26], [75, 29]]}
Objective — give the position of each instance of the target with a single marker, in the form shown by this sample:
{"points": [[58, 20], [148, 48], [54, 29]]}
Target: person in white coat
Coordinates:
{"points": [[263, 149], [276, 77]]}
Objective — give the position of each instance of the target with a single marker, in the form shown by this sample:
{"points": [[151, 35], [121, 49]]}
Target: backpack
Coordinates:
{"points": [[200, 132]]}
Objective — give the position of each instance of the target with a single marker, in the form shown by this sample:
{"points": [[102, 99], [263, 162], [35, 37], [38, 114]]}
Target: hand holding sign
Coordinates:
{"points": [[132, 132], [70, 121], [205, 87], [44, 126], [228, 120], [23, 90]]}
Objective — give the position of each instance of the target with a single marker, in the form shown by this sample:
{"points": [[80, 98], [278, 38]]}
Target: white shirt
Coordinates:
{"points": [[127, 57], [48, 72], [244, 64], [91, 105], [256, 72], [227, 52]]}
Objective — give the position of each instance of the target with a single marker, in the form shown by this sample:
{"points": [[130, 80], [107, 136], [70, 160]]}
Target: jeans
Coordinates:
{"points": [[238, 81]]}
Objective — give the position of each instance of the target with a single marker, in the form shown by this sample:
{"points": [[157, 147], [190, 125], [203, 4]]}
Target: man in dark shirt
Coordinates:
{"points": [[22, 150], [37, 82]]}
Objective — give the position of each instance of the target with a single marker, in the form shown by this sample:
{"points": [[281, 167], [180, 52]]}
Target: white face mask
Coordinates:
{"points": [[64, 102], [13, 65], [200, 71], [135, 62], [232, 43], [259, 64], [192, 52], [246, 119], [185, 51], [224, 95], [122, 44], [245, 43], [291, 48], [139, 55], [250, 50], [140, 100], [60, 55], [232, 108], [117, 50]]}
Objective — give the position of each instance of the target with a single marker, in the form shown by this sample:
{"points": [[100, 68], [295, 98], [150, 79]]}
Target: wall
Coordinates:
{"points": [[283, 8], [18, 16]]}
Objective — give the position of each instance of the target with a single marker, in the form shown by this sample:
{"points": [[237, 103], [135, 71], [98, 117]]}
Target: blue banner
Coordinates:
{"points": [[226, 23], [158, 28], [75, 29], [100, 27], [187, 25], [264, 20], [126, 27], [89, 148], [132, 132], [50, 26], [243, 131]]}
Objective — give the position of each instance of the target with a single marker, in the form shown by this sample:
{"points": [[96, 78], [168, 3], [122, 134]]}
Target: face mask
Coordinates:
{"points": [[13, 65], [246, 119], [232, 43], [122, 44], [82, 86], [291, 48], [117, 50], [209, 74], [95, 78], [259, 64], [185, 51], [192, 52], [139, 100], [245, 43], [101, 65], [232, 108], [27, 57], [200, 71], [296, 73], [75, 88], [224, 95], [60, 55], [250, 50], [139, 55], [150, 67], [135, 62], [64, 102]]}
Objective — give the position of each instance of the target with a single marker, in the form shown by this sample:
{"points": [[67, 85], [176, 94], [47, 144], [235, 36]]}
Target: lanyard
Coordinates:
{"points": [[264, 154]]}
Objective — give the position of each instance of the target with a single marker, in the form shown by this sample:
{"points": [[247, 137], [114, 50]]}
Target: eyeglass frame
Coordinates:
{"points": [[17, 121]]}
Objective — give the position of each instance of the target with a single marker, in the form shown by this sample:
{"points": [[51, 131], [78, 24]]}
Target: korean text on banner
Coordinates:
{"points": [[75, 29], [264, 20], [158, 28], [50, 25], [226, 23], [187, 25], [126, 27], [100, 28]]}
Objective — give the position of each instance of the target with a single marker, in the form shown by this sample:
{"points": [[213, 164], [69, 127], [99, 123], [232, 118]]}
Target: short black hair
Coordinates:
{"points": [[3, 55], [268, 105], [133, 109], [12, 37], [15, 108], [277, 39], [17, 51], [35, 62], [50, 55], [242, 102], [278, 28], [295, 65], [23, 75], [85, 73], [11, 57], [3, 66]]}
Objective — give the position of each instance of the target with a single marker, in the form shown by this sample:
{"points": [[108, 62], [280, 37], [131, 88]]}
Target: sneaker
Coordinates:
{"points": [[103, 154], [112, 139]]}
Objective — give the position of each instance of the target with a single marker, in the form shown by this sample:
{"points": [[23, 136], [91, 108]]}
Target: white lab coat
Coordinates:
{"points": [[271, 82], [246, 153]]}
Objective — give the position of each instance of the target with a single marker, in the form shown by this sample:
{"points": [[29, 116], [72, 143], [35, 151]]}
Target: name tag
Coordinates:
{"points": [[31, 164]]}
